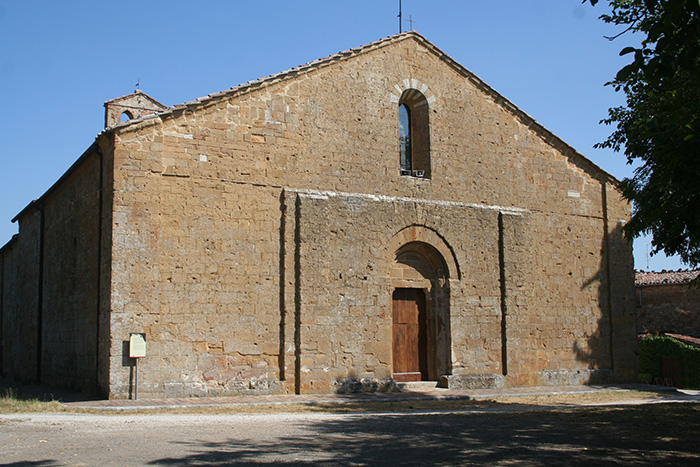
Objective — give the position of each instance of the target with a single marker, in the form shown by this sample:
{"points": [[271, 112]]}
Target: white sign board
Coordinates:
{"points": [[137, 345]]}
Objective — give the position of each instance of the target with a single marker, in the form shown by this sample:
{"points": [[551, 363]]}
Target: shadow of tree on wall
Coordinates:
{"points": [[595, 352], [639, 435], [599, 350]]}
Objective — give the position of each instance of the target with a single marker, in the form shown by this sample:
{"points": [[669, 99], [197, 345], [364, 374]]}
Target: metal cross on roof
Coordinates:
{"points": [[411, 20]]}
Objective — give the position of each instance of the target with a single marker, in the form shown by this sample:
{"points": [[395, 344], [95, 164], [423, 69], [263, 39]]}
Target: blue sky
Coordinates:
{"points": [[61, 60]]}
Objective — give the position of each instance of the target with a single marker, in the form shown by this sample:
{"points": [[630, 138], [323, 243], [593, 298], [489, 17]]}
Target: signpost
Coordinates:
{"points": [[137, 350]]}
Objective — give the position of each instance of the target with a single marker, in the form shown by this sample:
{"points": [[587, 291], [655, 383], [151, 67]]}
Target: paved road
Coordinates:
{"points": [[529, 437]]}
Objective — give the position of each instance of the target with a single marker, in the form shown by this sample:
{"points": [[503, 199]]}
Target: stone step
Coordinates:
{"points": [[417, 385]]}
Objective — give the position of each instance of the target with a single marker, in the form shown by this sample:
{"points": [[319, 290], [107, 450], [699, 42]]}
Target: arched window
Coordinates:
{"points": [[126, 116], [405, 137], [414, 134]]}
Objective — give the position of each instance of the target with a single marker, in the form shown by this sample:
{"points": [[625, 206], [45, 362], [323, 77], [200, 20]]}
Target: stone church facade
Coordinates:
{"points": [[378, 215]]}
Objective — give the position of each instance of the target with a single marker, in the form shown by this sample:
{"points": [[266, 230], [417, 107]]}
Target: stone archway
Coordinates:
{"points": [[419, 282]]}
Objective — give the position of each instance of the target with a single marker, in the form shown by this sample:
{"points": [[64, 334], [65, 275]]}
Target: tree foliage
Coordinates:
{"points": [[653, 348], [659, 126]]}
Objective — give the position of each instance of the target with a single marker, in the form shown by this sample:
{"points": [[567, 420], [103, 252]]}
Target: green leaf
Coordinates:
{"points": [[650, 4], [626, 72], [657, 128]]}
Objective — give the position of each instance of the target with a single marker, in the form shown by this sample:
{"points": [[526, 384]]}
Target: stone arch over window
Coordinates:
{"points": [[126, 116], [414, 102], [418, 259]]}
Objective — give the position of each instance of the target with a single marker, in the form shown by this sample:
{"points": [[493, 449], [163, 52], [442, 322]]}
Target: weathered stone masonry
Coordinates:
{"points": [[258, 235], [667, 303]]}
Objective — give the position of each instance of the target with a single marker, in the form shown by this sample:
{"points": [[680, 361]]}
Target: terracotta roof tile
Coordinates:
{"points": [[642, 278], [690, 340]]}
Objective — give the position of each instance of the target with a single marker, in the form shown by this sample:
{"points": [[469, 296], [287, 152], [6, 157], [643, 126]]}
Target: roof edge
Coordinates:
{"points": [[10, 243], [556, 142], [657, 278], [138, 91], [88, 152], [547, 135]]}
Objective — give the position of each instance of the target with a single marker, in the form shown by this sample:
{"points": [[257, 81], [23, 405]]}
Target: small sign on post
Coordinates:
{"points": [[137, 350], [137, 345]]}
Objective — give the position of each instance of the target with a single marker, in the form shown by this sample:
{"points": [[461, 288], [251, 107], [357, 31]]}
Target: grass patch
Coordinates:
{"points": [[12, 401], [358, 407], [593, 398], [563, 401]]}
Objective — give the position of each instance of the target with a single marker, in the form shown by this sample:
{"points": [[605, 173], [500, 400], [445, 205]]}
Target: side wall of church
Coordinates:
{"points": [[70, 284], [24, 313], [49, 287], [9, 309], [247, 232]]}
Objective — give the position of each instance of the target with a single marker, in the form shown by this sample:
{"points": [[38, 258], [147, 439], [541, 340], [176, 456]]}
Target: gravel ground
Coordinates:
{"points": [[512, 434]]}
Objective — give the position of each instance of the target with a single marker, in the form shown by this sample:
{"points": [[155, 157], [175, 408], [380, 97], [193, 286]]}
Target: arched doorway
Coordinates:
{"points": [[420, 314]]}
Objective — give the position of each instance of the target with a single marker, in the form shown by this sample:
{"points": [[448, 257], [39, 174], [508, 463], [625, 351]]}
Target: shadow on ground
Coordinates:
{"points": [[46, 463], [663, 434], [42, 393]]}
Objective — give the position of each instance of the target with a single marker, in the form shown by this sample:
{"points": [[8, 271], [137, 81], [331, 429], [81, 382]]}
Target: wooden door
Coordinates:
{"points": [[409, 335]]}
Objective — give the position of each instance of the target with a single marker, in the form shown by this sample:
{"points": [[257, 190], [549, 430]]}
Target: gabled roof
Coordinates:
{"points": [[135, 105], [93, 149], [8, 246], [139, 93], [552, 139]]}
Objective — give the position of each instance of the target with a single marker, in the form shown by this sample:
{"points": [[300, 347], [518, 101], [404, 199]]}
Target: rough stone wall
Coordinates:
{"points": [[4, 342], [245, 278], [28, 274], [70, 283], [671, 308], [345, 290], [10, 310], [9, 325], [134, 105], [620, 280], [49, 286], [104, 322], [198, 272], [563, 328]]}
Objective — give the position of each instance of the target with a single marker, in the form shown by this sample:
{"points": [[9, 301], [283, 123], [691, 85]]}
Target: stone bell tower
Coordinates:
{"points": [[135, 105]]}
